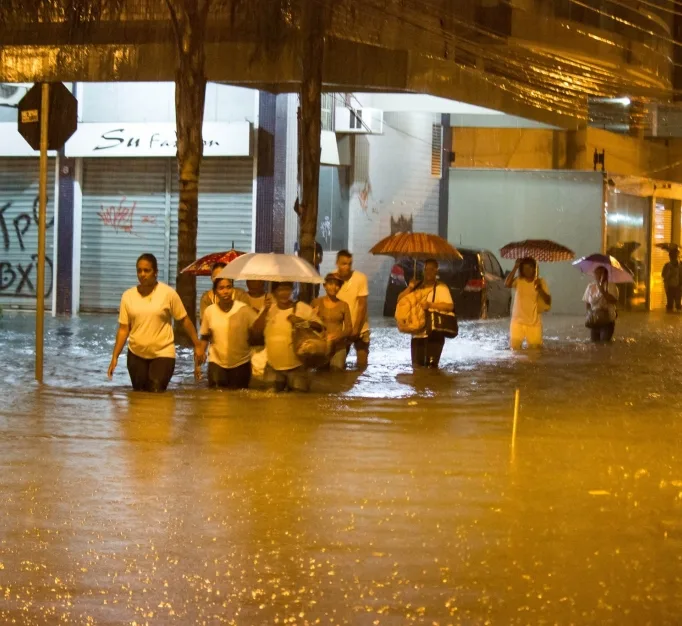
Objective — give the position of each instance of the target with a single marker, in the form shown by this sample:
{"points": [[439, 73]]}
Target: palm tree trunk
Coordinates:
{"points": [[190, 95], [310, 127]]}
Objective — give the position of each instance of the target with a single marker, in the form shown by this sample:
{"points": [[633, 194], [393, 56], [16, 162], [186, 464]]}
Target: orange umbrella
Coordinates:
{"points": [[416, 246], [202, 266]]}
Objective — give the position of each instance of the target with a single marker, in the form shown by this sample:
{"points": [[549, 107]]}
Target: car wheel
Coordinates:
{"points": [[484, 310]]}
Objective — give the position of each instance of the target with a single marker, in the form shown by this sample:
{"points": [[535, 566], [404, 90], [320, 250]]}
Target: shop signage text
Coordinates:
{"points": [[116, 139]]}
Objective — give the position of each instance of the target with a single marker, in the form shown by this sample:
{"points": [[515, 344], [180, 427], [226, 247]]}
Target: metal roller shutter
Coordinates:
{"points": [[19, 232], [225, 210], [663, 228], [125, 212]]}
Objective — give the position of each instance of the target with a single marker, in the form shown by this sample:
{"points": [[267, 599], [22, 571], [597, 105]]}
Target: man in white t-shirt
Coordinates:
{"points": [[526, 319], [354, 293]]}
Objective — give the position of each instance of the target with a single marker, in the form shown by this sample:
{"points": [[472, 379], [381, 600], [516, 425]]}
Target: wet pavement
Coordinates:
{"points": [[381, 498]]}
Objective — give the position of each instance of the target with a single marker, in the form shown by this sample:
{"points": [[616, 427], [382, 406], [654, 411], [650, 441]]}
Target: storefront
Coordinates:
{"points": [[642, 215], [129, 204]]}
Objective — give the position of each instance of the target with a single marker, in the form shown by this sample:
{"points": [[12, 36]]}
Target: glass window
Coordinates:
{"points": [[627, 232], [328, 111], [487, 265], [497, 269], [332, 214]]}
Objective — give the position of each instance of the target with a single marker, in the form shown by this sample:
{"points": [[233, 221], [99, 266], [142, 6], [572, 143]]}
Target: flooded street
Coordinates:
{"points": [[381, 498]]}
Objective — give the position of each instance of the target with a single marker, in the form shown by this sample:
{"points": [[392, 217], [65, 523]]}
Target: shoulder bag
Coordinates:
{"points": [[441, 322], [597, 318], [310, 345], [409, 315]]}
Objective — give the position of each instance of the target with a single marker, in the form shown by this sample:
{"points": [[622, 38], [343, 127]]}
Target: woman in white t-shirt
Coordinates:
{"points": [[526, 317], [601, 297], [226, 325], [146, 322], [285, 370], [426, 349]]}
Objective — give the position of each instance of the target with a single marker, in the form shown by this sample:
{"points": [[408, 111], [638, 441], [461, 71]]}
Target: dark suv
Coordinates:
{"points": [[476, 284]]}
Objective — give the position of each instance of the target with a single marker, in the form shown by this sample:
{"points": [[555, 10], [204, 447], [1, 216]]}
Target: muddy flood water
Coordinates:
{"points": [[383, 498]]}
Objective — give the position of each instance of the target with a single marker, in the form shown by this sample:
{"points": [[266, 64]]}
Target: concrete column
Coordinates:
{"points": [[65, 236], [271, 173], [576, 150], [444, 185], [676, 216]]}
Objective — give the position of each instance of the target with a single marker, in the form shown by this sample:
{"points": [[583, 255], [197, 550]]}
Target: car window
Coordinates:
{"points": [[487, 264], [497, 268], [467, 263]]}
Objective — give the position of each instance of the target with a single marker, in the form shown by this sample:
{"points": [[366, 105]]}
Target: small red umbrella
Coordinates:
{"points": [[202, 266], [542, 250]]}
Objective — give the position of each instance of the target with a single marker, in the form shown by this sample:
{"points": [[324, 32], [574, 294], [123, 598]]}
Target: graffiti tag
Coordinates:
{"points": [[120, 217]]}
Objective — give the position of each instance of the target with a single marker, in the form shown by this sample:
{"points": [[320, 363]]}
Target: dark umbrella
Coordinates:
{"points": [[668, 246], [542, 250]]}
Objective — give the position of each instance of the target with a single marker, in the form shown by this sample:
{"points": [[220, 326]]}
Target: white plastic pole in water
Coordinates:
{"points": [[517, 396]]}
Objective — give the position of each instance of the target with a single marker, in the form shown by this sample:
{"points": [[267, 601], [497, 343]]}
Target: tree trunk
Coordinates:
{"points": [[310, 128], [190, 94]]}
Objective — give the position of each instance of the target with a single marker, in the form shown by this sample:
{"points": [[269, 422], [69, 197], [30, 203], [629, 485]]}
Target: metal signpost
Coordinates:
{"points": [[47, 118]]}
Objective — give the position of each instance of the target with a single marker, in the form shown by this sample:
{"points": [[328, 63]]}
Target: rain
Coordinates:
{"points": [[423, 149], [383, 497]]}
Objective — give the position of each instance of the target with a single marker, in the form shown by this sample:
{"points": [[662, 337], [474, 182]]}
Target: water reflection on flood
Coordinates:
{"points": [[381, 498]]}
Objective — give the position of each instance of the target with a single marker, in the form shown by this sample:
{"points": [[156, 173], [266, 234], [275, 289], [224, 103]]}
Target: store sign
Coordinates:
{"points": [[221, 139], [156, 140]]}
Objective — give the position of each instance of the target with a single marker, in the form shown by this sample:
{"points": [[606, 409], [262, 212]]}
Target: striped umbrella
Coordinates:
{"points": [[416, 246], [202, 266], [542, 250]]}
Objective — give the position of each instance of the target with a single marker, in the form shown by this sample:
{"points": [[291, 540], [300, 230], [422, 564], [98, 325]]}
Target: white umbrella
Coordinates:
{"points": [[271, 267]]}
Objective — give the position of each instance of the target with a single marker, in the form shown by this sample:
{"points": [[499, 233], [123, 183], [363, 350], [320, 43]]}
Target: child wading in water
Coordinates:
{"points": [[335, 314]]}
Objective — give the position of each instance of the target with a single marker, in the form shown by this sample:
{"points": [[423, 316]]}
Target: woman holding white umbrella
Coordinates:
{"points": [[601, 295]]}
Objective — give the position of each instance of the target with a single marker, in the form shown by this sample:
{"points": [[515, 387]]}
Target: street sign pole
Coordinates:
{"points": [[47, 117], [42, 220]]}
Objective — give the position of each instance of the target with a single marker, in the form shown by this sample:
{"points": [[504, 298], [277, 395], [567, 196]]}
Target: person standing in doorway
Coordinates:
{"points": [[526, 319], [209, 297], [672, 275], [318, 256], [226, 325], [146, 322], [354, 293]]}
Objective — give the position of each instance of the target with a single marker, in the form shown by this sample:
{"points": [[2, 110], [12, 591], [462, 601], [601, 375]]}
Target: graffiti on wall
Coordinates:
{"points": [[401, 225], [119, 218], [19, 261]]}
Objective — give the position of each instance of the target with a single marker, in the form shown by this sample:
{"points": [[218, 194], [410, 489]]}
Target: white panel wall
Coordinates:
{"points": [[490, 208], [155, 102], [391, 177]]}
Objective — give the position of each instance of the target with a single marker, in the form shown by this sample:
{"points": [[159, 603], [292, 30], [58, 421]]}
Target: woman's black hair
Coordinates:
{"points": [[433, 261], [151, 259], [529, 260], [217, 265], [274, 285], [217, 280]]}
